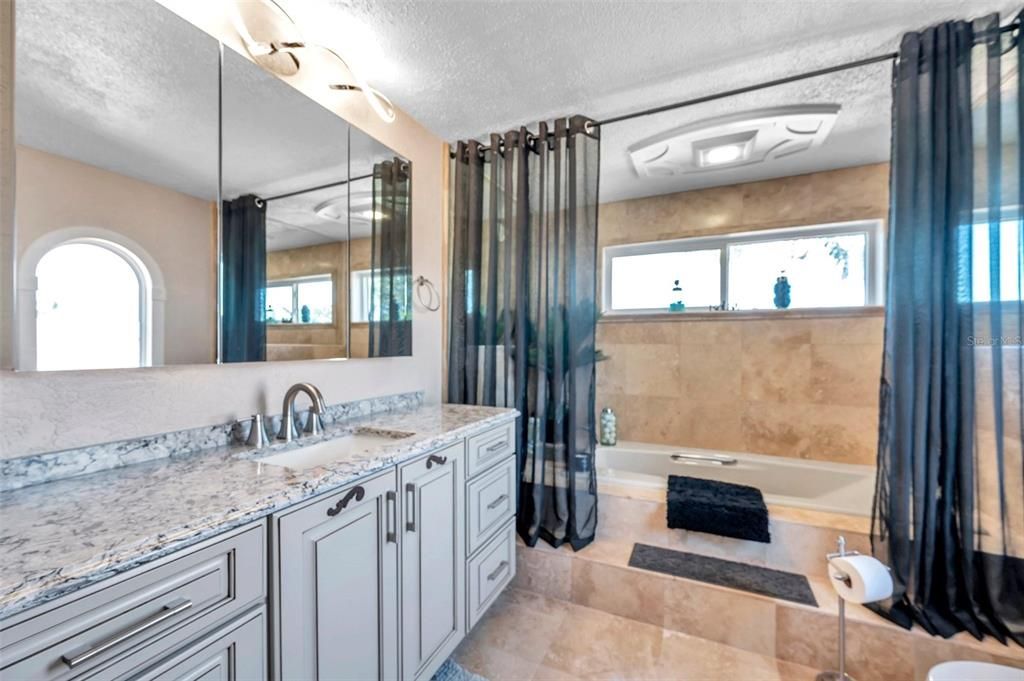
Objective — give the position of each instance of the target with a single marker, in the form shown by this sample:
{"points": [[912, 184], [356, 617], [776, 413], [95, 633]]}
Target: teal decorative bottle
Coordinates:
{"points": [[609, 434], [677, 304], [782, 290]]}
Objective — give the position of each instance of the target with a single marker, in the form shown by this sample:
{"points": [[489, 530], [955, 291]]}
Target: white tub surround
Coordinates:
{"points": [[784, 481], [84, 529]]}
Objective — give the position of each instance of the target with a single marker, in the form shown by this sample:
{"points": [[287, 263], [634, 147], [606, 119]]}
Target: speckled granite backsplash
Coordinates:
{"points": [[38, 468]]}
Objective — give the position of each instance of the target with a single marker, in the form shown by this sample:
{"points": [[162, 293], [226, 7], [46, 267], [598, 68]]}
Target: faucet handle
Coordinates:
{"points": [[257, 432], [314, 422]]}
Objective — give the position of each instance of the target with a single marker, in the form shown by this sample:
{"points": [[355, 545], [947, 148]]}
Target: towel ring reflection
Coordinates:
{"points": [[433, 301]]}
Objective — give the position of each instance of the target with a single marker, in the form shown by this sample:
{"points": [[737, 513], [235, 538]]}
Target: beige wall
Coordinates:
{"points": [[769, 383], [175, 229], [43, 412]]}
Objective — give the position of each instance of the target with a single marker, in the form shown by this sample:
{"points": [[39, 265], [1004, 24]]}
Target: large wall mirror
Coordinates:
{"points": [[126, 240]]}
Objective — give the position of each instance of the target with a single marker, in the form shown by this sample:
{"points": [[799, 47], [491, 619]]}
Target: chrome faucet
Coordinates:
{"points": [[288, 430]]}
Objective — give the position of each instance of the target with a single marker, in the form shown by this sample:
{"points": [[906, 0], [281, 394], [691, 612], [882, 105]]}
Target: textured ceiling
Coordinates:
{"points": [[466, 68], [128, 86]]}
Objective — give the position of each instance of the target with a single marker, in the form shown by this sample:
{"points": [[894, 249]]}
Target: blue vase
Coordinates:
{"points": [[782, 289]]}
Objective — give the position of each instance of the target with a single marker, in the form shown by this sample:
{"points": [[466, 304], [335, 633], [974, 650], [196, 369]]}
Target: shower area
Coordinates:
{"points": [[742, 270], [709, 295]]}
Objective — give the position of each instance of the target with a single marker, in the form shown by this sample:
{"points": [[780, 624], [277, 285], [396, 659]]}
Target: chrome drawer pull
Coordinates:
{"points": [[497, 571], [170, 610], [496, 446], [497, 502]]}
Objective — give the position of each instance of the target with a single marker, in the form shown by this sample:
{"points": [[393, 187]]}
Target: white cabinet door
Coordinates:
{"points": [[433, 560], [336, 587]]}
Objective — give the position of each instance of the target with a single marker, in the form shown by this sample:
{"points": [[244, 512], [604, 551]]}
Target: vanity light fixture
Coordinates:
{"points": [[381, 105], [276, 56], [279, 56]]}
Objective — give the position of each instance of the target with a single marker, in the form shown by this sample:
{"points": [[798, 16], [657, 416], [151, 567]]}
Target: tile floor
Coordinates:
{"points": [[530, 637]]}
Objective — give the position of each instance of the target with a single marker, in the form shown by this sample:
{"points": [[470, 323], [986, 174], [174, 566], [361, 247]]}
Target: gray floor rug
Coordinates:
{"points": [[788, 586], [453, 671]]}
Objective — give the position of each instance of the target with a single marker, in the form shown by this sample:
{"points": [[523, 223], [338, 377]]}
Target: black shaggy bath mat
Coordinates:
{"points": [[788, 586], [716, 507]]}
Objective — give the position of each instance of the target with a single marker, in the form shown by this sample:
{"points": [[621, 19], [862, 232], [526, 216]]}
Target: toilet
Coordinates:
{"points": [[964, 670]]}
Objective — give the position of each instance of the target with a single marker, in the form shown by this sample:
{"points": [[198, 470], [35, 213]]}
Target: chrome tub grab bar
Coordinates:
{"points": [[693, 459]]}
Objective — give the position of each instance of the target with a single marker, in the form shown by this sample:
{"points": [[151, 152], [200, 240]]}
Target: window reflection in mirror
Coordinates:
{"points": [[308, 201], [285, 225], [116, 187]]}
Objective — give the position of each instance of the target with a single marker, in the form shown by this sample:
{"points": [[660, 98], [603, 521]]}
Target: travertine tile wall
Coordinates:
{"points": [[785, 386]]}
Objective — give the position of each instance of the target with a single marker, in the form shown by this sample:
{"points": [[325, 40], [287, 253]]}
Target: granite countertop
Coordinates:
{"points": [[60, 536]]}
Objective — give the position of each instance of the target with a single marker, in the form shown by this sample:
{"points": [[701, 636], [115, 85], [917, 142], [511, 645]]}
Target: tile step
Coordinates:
{"points": [[600, 577]]}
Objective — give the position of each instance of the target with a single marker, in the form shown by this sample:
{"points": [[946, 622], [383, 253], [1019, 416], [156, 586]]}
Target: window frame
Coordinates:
{"points": [[874, 285], [294, 283], [364, 304]]}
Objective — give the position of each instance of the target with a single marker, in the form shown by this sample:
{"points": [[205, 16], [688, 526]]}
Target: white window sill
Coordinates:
{"points": [[739, 315]]}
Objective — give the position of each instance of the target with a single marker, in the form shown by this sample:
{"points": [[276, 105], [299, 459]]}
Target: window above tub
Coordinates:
{"points": [[302, 300], [830, 266]]}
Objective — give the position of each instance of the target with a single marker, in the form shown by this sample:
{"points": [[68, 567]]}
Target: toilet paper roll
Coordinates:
{"points": [[860, 579]]}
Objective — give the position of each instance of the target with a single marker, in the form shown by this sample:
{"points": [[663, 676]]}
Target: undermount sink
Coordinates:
{"points": [[329, 451]]}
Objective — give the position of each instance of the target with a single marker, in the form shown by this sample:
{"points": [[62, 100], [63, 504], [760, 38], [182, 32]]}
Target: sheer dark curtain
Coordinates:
{"points": [[391, 260], [244, 269], [949, 504], [523, 266]]}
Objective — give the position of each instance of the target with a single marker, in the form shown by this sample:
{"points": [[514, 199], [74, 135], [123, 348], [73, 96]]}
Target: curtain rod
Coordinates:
{"points": [[771, 83], [749, 88], [313, 189], [738, 91], [889, 56]]}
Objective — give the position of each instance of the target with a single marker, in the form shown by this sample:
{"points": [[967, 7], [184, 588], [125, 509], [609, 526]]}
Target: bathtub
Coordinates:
{"points": [[801, 483]]}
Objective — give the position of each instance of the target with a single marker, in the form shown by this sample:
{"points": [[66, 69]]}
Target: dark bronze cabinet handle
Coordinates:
{"points": [[439, 460], [497, 571], [410, 491], [358, 492], [391, 517], [497, 502], [496, 446]]}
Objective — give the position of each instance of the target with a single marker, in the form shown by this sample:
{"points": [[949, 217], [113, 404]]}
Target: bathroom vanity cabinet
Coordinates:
{"points": [[380, 578]]}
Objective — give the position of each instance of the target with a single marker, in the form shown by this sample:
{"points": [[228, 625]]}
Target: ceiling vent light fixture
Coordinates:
{"points": [[333, 209], [741, 139]]}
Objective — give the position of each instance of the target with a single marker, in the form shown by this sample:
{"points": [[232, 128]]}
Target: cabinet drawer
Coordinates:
{"points": [[486, 449], [235, 652], [490, 571], [143, 615], [491, 500]]}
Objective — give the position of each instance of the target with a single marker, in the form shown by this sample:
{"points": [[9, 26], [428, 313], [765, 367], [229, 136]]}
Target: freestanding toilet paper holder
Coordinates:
{"points": [[840, 675]]}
